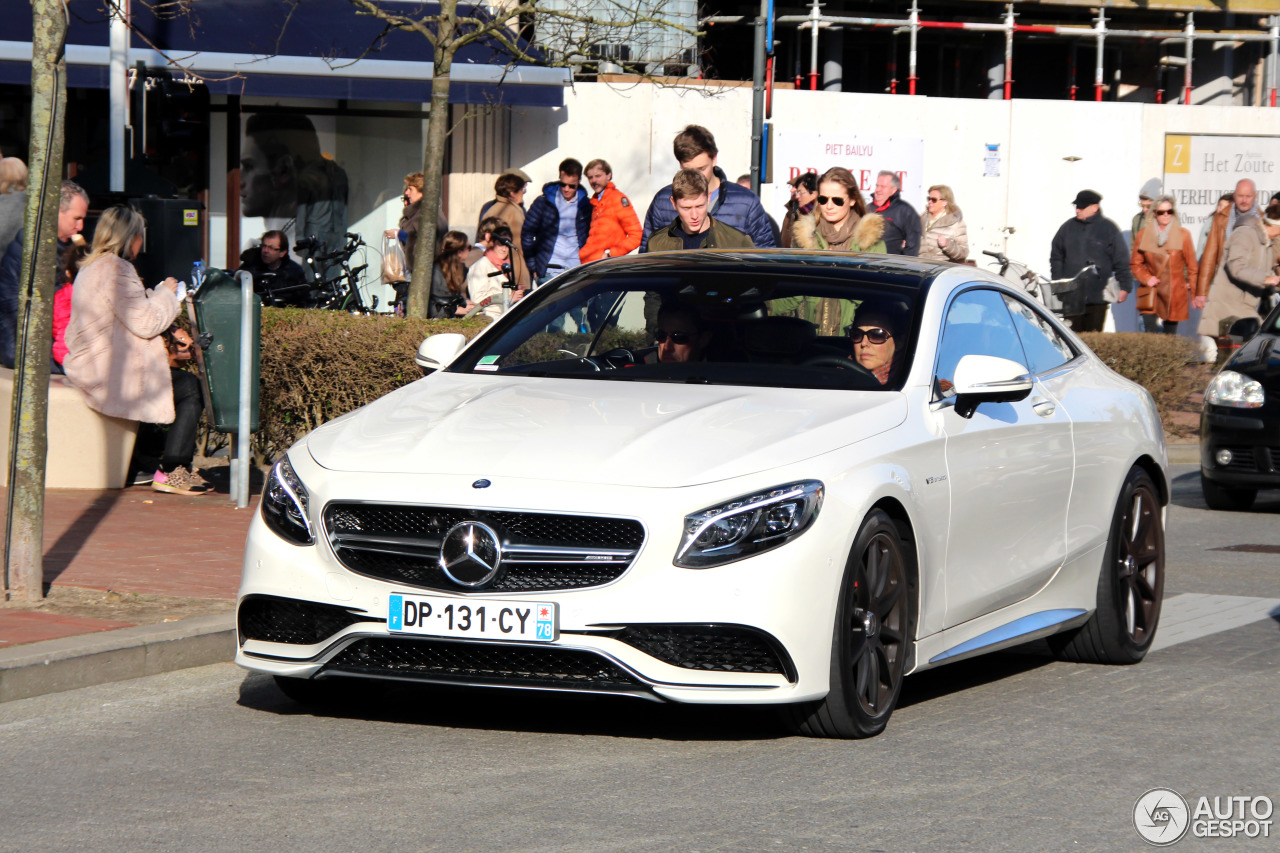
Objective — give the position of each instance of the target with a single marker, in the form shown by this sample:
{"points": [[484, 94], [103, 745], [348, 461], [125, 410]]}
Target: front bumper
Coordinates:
{"points": [[755, 631], [1253, 440]]}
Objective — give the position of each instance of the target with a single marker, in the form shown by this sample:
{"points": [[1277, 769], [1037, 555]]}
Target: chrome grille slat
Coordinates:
{"points": [[541, 551]]}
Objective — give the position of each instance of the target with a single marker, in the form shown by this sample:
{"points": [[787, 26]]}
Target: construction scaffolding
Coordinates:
{"points": [[911, 25]]}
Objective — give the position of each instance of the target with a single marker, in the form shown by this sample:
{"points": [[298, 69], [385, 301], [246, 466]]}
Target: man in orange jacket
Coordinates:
{"points": [[615, 228]]}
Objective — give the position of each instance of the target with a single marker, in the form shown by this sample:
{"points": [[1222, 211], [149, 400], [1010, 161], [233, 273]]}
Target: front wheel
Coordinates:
{"points": [[875, 623], [1131, 584]]}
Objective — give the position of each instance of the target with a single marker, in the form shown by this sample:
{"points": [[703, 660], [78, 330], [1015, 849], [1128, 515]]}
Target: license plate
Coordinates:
{"points": [[474, 618]]}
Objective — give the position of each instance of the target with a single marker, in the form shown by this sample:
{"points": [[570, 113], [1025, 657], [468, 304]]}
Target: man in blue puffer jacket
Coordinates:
{"points": [[557, 224], [695, 148]]}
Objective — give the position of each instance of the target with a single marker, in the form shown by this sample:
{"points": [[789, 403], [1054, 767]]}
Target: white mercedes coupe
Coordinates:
{"points": [[720, 477]]}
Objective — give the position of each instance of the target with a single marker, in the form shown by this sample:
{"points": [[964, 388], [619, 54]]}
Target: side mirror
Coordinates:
{"points": [[987, 379], [437, 351], [1244, 328]]}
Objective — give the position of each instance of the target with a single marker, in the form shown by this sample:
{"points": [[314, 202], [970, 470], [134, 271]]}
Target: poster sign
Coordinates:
{"points": [[863, 154], [1199, 168]]}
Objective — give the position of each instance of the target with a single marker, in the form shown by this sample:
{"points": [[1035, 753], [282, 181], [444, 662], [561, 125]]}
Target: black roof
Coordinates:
{"points": [[865, 267]]}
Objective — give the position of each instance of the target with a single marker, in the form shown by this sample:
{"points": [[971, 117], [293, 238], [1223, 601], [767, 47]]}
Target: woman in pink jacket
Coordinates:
{"points": [[116, 356]]}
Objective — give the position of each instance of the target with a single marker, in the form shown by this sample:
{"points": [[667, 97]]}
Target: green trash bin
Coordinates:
{"points": [[217, 307]]}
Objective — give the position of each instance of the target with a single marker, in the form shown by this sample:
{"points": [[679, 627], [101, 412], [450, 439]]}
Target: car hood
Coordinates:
{"points": [[1259, 359], [622, 433]]}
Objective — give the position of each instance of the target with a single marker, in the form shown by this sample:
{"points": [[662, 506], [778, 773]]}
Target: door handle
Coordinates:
{"points": [[1044, 408]]}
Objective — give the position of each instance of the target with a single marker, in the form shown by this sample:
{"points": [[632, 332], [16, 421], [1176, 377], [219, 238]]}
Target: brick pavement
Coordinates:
{"points": [[133, 541]]}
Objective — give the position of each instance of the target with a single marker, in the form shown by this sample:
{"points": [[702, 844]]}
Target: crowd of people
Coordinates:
{"points": [[1236, 267]]}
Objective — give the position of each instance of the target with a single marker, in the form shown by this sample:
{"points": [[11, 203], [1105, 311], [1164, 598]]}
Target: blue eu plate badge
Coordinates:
{"points": [[395, 613]]}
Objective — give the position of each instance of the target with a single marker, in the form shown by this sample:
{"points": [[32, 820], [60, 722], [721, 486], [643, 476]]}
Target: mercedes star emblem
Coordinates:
{"points": [[470, 554]]}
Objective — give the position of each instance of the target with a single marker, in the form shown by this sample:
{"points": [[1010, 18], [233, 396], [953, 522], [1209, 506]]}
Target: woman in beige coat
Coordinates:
{"points": [[116, 356], [1247, 271], [943, 234]]}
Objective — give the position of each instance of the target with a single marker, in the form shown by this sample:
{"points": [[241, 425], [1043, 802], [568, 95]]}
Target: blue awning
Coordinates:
{"points": [[290, 49]]}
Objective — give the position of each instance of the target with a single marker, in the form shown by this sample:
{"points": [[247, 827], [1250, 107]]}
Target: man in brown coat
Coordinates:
{"points": [[1224, 222]]}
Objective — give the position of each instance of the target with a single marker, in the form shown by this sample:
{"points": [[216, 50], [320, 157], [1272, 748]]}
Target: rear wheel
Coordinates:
{"points": [[1131, 584], [875, 623], [1226, 497]]}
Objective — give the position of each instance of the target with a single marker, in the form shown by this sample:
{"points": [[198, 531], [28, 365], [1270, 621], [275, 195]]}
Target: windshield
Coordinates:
{"points": [[706, 326]]}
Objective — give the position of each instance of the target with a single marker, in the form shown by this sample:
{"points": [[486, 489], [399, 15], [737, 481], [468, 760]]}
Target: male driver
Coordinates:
{"points": [[558, 224], [681, 335], [695, 148], [1089, 238], [694, 228], [615, 229], [275, 275], [1242, 207], [901, 222], [72, 209]]}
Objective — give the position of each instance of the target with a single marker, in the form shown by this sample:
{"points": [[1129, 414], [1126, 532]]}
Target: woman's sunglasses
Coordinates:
{"points": [[838, 202], [875, 335], [1164, 213], [677, 338]]}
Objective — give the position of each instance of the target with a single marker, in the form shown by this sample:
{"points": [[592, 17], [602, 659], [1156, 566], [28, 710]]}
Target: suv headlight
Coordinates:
{"points": [[284, 505], [1233, 389], [748, 525]]}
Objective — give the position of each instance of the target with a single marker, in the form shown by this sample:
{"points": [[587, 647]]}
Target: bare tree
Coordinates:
{"points": [[572, 31], [24, 531]]}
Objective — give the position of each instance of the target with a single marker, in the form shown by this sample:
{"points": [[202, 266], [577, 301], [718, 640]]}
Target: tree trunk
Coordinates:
{"points": [[433, 162], [24, 540]]}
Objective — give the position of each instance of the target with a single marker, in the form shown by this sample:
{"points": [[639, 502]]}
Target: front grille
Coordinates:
{"points": [[716, 648], [541, 551], [483, 663], [1274, 452], [286, 620]]}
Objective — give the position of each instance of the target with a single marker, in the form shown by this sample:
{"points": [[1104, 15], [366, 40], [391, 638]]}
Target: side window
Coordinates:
{"points": [[1045, 348], [977, 323]]}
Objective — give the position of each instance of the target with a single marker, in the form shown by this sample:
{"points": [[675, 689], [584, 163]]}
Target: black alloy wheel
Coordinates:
{"points": [[1131, 584], [871, 643]]}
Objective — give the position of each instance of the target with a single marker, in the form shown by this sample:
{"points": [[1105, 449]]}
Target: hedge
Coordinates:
{"points": [[317, 365]]}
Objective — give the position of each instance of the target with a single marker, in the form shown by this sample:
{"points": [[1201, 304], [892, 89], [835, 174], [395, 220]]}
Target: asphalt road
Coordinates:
{"points": [[1005, 753]]}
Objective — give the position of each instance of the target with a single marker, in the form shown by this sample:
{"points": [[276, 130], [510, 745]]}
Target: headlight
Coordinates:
{"points": [[748, 525], [284, 505], [1233, 389]]}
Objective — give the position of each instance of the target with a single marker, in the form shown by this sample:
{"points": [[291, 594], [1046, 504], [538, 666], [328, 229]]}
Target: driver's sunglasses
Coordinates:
{"points": [[838, 202], [875, 335], [677, 338], [567, 185]]}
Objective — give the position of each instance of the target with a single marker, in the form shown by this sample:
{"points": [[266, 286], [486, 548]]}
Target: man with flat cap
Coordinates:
{"points": [[1089, 238]]}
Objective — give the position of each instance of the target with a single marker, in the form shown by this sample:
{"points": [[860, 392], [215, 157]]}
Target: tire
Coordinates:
{"points": [[1130, 585], [871, 640], [1226, 497]]}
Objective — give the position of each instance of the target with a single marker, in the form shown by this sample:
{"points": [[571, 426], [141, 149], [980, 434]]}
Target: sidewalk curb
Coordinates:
{"points": [[1183, 453], [68, 663]]}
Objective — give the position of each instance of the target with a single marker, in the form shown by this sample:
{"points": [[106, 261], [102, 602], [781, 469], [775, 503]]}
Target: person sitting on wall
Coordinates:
{"points": [[279, 279]]}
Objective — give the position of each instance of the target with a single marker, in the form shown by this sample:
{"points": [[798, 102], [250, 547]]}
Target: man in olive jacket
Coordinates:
{"points": [[693, 227]]}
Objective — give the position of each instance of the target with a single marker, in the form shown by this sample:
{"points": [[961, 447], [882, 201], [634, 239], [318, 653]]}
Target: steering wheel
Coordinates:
{"points": [[840, 363], [615, 358]]}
